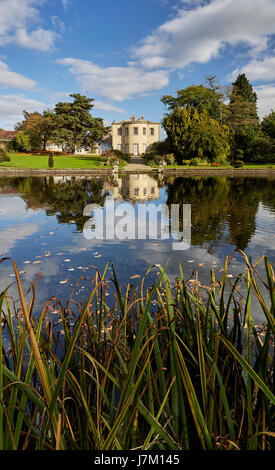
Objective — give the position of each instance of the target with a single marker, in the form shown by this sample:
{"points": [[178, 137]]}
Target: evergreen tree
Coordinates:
{"points": [[268, 125], [192, 134], [75, 127], [243, 118]]}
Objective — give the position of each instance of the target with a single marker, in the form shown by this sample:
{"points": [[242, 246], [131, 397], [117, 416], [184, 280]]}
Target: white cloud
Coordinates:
{"points": [[115, 83], [199, 35], [12, 106], [11, 79], [108, 107], [266, 99], [258, 70], [65, 4], [16, 19]]}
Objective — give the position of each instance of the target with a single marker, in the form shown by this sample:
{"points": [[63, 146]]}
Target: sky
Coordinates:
{"points": [[127, 54]]}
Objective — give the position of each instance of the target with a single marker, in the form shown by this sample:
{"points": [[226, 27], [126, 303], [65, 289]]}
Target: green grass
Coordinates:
{"points": [[207, 167], [169, 367], [60, 162]]}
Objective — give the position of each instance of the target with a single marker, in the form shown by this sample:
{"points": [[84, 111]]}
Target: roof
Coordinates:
{"points": [[136, 121], [7, 135]]}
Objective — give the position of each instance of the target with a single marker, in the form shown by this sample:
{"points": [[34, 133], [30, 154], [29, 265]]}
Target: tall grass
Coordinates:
{"points": [[163, 367]]}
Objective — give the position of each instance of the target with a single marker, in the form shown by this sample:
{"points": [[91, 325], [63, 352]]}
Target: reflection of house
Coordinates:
{"points": [[7, 137], [140, 187], [134, 136], [134, 187]]}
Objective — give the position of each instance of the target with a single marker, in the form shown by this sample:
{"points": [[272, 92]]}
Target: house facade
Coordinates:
{"points": [[135, 136]]}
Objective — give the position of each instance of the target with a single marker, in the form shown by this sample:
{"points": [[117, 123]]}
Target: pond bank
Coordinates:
{"points": [[264, 172]]}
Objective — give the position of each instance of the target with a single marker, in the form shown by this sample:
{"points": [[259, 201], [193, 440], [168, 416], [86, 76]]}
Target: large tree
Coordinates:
{"points": [[39, 127], [74, 125], [268, 124], [193, 134], [243, 117], [199, 97]]}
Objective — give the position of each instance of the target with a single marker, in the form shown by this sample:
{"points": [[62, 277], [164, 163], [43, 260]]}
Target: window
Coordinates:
{"points": [[135, 130], [136, 191], [152, 131], [126, 130], [119, 146], [144, 148], [144, 131], [127, 148], [119, 131], [144, 191]]}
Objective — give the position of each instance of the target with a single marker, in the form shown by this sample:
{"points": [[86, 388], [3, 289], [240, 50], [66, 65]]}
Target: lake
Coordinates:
{"points": [[42, 221]]}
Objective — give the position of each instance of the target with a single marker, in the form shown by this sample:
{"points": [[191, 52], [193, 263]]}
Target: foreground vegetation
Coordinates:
{"points": [[162, 367]]}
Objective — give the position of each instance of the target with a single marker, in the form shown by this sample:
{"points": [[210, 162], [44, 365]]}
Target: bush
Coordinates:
{"points": [[118, 155], [199, 161], [51, 160], [170, 158], [185, 162], [237, 163], [3, 155]]}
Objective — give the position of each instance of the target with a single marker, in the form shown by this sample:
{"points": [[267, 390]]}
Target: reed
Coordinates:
{"points": [[170, 366]]}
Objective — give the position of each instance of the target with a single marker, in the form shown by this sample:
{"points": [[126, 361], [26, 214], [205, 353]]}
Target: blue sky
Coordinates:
{"points": [[127, 54]]}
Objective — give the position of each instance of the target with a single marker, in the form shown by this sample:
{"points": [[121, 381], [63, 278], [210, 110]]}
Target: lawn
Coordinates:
{"points": [[60, 162], [205, 167]]}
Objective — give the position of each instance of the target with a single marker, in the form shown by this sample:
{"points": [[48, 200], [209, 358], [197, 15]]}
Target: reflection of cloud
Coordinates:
{"points": [[9, 236], [11, 206]]}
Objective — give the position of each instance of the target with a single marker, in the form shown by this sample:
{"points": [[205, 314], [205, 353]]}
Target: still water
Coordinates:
{"points": [[41, 228]]}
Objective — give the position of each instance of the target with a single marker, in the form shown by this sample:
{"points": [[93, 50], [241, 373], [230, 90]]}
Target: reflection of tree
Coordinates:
{"points": [[64, 199], [222, 208]]}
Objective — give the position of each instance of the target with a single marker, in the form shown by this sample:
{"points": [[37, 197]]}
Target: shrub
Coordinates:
{"points": [[51, 160], [3, 155], [116, 155], [237, 163], [185, 162], [170, 158], [199, 161]]}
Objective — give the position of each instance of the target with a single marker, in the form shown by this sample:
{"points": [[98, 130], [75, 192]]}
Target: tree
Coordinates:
{"points": [[243, 118], [199, 97], [268, 124], [193, 134], [23, 142], [74, 125], [39, 127]]}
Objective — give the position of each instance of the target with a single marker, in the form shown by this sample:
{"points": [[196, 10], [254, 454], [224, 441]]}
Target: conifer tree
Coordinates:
{"points": [[243, 117]]}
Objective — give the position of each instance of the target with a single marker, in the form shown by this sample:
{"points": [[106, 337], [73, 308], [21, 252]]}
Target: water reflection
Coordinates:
{"points": [[223, 209], [41, 227]]}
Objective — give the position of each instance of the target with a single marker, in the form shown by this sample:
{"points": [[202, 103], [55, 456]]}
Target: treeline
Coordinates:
{"points": [[218, 125], [69, 124]]}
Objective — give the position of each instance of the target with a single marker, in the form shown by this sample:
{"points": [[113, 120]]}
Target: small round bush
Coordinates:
{"points": [[237, 163]]}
